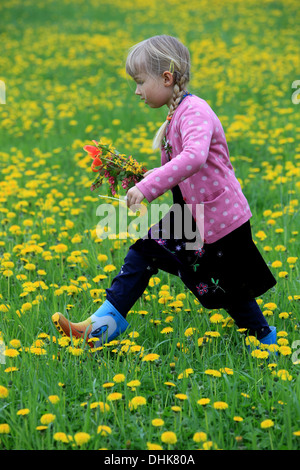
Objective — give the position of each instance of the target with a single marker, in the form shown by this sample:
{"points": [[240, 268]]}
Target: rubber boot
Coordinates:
{"points": [[270, 339], [103, 326]]}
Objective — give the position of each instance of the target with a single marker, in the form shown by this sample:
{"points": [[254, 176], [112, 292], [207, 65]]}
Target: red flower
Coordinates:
{"points": [[96, 163], [92, 151]]}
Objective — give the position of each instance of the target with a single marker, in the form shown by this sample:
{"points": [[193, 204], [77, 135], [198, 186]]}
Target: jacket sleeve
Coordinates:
{"points": [[195, 128]]}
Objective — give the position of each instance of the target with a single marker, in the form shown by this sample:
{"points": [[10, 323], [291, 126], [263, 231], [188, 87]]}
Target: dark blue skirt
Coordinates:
{"points": [[220, 273]]}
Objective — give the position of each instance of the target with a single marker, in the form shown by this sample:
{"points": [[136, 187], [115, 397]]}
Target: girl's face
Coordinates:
{"points": [[156, 92]]}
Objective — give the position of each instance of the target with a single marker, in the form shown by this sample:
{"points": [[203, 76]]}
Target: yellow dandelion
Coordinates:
{"points": [[103, 430], [133, 383], [150, 357], [136, 402], [53, 399], [200, 437], [176, 408], [169, 437], [61, 437], [220, 405], [47, 418], [238, 419], [285, 350], [151, 446], [203, 401], [114, 396], [119, 378], [109, 268], [181, 396], [81, 438], [11, 352], [3, 392], [157, 422], [214, 373], [4, 428], [23, 412], [267, 423]]}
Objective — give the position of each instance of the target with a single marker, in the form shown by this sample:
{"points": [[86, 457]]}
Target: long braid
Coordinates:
{"points": [[178, 91]]}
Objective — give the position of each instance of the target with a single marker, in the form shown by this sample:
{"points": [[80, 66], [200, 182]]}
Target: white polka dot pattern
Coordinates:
{"points": [[200, 157]]}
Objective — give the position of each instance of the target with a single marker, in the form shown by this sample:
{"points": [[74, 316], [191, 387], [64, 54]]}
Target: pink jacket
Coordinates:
{"points": [[199, 163]]}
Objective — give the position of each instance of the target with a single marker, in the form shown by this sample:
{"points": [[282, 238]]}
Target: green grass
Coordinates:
{"points": [[63, 66]]}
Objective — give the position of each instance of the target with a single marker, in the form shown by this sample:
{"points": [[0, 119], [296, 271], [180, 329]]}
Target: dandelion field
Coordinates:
{"points": [[181, 377]]}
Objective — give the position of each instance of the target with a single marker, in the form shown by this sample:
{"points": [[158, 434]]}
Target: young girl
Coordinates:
{"points": [[227, 271]]}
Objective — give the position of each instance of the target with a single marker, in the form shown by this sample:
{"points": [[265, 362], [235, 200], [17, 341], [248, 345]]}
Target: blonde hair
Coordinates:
{"points": [[154, 56]]}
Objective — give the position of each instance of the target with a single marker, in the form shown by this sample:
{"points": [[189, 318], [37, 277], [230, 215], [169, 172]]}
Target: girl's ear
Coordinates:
{"points": [[168, 78]]}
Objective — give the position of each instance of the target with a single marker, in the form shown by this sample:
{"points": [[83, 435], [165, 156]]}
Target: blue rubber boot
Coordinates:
{"points": [[271, 337], [269, 340], [107, 323]]}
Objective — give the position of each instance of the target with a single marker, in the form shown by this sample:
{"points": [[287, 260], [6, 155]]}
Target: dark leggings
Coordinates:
{"points": [[133, 278]]}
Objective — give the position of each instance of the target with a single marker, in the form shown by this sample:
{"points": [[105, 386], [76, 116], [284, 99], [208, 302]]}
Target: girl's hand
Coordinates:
{"points": [[134, 196], [149, 171]]}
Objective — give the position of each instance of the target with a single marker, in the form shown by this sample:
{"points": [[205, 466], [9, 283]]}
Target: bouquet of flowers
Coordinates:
{"points": [[113, 167]]}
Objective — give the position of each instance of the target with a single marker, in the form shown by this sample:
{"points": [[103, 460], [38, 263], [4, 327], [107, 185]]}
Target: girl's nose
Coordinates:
{"points": [[137, 91]]}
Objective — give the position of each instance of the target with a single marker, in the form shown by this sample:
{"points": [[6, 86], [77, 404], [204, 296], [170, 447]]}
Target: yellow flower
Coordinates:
{"points": [[119, 378], [62, 437], [238, 419], [203, 401], [220, 405], [53, 399], [150, 357], [30, 266], [227, 370], [99, 404], [4, 428], [261, 235], [176, 408], [216, 318], [102, 257], [185, 373], [167, 330], [292, 259], [189, 331], [48, 418], [267, 423], [157, 422], [114, 396], [151, 446], [136, 402], [169, 437], [285, 350], [109, 268], [133, 383], [270, 306], [200, 437], [81, 438], [11, 353], [214, 373], [260, 354], [103, 430], [276, 264], [108, 385], [283, 374], [3, 392], [23, 412], [181, 396]]}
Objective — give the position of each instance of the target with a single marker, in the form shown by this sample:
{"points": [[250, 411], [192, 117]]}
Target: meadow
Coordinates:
{"points": [[181, 377]]}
